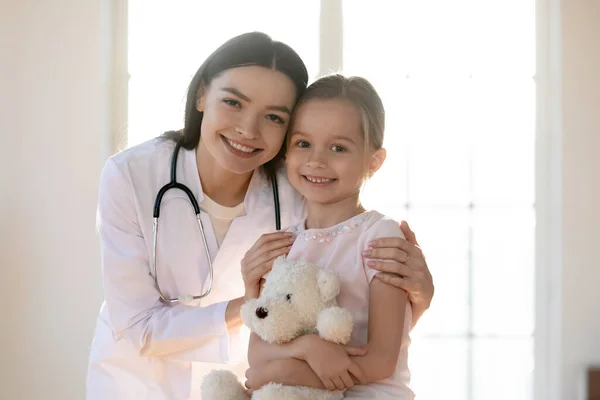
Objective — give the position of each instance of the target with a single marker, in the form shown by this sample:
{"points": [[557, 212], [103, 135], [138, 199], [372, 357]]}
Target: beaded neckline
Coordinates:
{"points": [[327, 235]]}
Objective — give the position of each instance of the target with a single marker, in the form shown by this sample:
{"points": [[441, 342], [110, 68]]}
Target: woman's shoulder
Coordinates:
{"points": [[148, 151]]}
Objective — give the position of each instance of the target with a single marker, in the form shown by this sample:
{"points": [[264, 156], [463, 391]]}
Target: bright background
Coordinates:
{"points": [[500, 176]]}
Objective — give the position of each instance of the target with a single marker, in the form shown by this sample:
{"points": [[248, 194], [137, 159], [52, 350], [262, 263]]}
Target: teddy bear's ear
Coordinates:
{"points": [[329, 284]]}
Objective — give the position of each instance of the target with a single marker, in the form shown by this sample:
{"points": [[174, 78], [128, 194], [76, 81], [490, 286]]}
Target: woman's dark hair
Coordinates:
{"points": [[254, 48]]}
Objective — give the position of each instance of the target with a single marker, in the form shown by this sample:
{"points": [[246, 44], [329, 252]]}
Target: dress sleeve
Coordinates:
{"points": [[135, 312], [383, 228]]}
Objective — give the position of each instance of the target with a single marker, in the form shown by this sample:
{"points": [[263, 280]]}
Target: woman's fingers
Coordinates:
{"points": [[268, 257], [408, 233], [388, 253], [396, 281], [392, 268], [396, 243], [273, 243]]}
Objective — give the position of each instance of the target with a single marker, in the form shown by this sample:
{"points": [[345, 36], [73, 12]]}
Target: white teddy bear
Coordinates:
{"points": [[297, 298]]}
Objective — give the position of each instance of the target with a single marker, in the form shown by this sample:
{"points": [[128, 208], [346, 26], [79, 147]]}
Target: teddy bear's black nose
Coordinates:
{"points": [[261, 312]]}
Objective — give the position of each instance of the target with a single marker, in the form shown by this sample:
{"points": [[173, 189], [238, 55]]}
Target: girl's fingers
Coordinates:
{"points": [[339, 383], [347, 380]]}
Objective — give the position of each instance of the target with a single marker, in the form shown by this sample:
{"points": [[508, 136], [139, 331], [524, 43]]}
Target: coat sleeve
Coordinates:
{"points": [[135, 312]]}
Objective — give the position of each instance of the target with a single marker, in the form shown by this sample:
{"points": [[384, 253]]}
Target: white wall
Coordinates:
{"points": [[581, 190], [55, 137], [55, 125]]}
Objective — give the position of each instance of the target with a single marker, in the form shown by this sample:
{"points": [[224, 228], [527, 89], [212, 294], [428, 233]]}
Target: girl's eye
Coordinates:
{"points": [[231, 102], [275, 118], [338, 149], [303, 144], [288, 297]]}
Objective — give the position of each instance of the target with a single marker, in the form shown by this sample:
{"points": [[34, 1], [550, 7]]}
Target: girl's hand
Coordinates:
{"points": [[405, 267], [259, 259], [332, 363]]}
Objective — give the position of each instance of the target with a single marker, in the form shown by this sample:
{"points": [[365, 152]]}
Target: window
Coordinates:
{"points": [[457, 80]]}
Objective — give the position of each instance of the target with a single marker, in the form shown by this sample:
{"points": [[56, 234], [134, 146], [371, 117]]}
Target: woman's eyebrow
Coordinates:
{"points": [[242, 96]]}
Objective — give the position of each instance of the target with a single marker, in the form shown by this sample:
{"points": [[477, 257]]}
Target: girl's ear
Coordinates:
{"points": [[377, 160]]}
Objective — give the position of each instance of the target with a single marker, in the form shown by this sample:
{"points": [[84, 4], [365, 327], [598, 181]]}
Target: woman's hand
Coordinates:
{"points": [[405, 266], [332, 363], [259, 259]]}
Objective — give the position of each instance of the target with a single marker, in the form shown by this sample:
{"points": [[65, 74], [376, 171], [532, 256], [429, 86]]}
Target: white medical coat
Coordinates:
{"points": [[142, 348]]}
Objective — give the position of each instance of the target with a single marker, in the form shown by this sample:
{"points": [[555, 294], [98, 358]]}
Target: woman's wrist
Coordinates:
{"points": [[233, 318]]}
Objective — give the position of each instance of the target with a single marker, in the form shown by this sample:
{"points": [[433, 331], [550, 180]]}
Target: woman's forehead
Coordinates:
{"points": [[257, 84]]}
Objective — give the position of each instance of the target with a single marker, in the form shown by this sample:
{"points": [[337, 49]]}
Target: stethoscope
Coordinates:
{"points": [[176, 185]]}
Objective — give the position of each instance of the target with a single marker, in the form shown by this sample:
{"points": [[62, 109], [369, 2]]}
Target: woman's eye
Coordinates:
{"points": [[303, 144], [338, 149], [231, 102], [275, 118], [288, 297]]}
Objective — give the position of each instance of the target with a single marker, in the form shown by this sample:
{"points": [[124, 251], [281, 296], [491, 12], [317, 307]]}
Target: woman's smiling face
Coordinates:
{"points": [[246, 111]]}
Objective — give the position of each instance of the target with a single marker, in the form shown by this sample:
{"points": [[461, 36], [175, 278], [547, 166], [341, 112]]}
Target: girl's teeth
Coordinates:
{"points": [[316, 180], [240, 147]]}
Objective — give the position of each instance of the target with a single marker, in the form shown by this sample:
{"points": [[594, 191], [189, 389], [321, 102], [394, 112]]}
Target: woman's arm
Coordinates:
{"points": [[135, 312]]}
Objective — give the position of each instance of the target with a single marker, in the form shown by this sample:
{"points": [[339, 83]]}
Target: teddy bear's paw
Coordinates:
{"points": [[222, 385], [335, 324]]}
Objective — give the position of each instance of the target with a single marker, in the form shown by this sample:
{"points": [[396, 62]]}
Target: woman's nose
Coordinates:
{"points": [[248, 127]]}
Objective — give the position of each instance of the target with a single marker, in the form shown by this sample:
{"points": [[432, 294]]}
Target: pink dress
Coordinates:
{"points": [[339, 248]]}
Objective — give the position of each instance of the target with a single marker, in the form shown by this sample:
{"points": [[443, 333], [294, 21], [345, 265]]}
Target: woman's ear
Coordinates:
{"points": [[377, 160]]}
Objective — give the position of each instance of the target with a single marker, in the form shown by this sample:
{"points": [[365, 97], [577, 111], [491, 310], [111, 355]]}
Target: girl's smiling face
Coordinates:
{"points": [[327, 159]]}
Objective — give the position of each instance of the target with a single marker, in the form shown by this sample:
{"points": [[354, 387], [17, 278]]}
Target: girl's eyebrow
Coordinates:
{"points": [[242, 96], [336, 137]]}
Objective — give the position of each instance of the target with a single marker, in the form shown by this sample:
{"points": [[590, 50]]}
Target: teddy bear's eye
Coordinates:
{"points": [[288, 297]]}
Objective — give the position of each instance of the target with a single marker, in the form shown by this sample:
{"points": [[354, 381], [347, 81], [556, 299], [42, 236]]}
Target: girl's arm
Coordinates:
{"points": [[281, 363], [387, 308]]}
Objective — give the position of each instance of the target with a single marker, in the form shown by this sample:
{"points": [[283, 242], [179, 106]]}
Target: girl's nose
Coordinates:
{"points": [[316, 160]]}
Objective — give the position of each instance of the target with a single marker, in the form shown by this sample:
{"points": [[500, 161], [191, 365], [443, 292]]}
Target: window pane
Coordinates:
{"points": [[439, 369], [503, 141], [169, 40], [443, 233], [503, 369], [503, 273]]}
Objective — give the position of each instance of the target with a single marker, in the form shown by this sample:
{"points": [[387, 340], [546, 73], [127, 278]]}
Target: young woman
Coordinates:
{"points": [[172, 292]]}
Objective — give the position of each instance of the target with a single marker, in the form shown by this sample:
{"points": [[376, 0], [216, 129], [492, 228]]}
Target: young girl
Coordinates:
{"points": [[334, 145]]}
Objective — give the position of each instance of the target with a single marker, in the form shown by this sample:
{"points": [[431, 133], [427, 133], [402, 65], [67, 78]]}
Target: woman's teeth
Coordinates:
{"points": [[240, 147], [318, 180]]}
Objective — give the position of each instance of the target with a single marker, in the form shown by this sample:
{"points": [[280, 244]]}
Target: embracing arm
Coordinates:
{"points": [[135, 312]]}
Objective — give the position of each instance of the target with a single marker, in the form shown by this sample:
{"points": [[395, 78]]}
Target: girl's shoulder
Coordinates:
{"points": [[379, 225]]}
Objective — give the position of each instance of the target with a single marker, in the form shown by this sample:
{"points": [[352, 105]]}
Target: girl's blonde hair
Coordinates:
{"points": [[358, 92]]}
